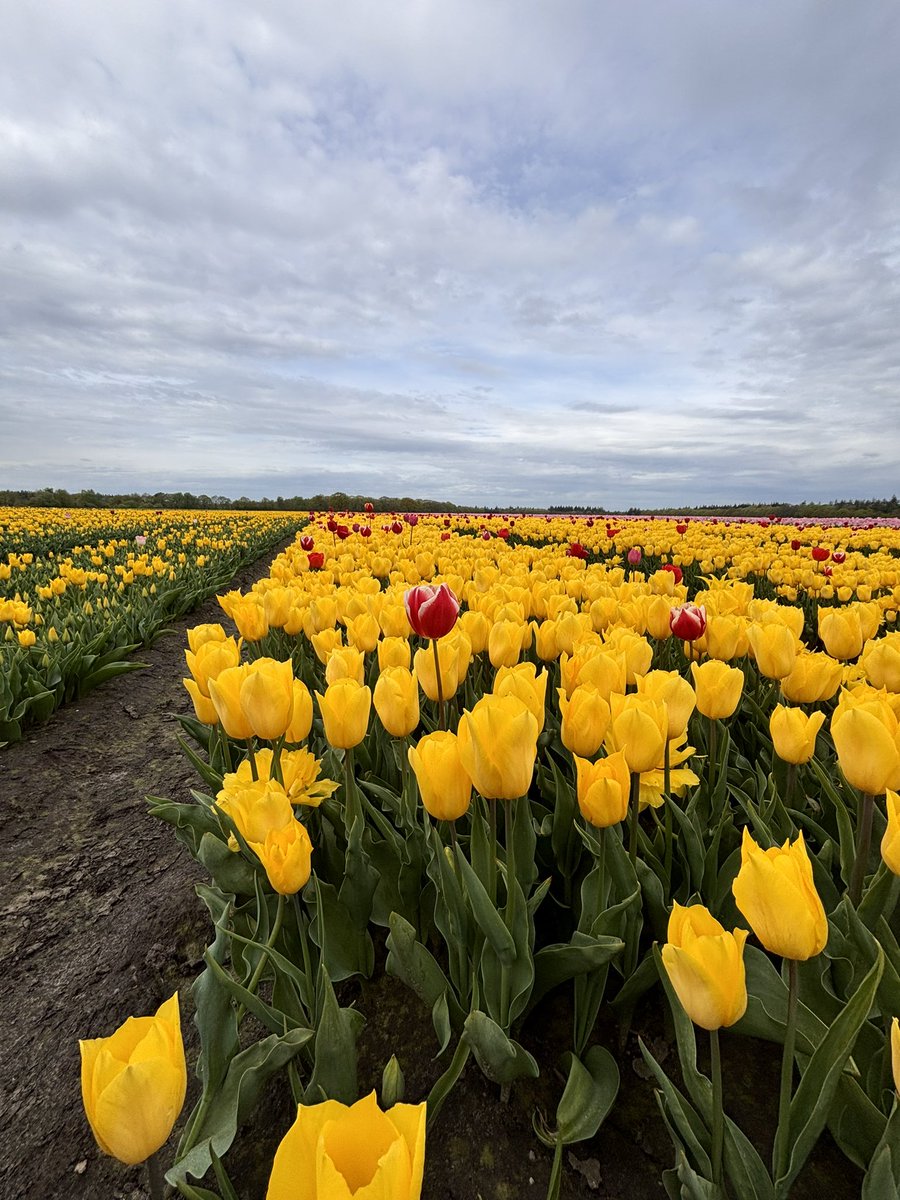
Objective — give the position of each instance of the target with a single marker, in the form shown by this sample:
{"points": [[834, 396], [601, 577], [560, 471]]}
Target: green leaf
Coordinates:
{"points": [[412, 963], [500, 1058], [229, 869], [882, 1181], [590, 1092], [486, 914], [337, 1031], [555, 964]]}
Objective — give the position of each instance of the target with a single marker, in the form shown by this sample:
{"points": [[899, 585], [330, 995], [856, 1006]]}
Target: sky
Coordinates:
{"points": [[505, 252]]}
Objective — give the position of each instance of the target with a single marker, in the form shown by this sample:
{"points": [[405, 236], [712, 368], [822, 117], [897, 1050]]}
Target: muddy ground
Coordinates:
{"points": [[98, 920]]}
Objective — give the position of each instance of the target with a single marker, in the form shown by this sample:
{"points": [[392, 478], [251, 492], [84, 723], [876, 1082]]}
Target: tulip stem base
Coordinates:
{"points": [[863, 845], [718, 1114], [155, 1177], [634, 803], [782, 1150]]}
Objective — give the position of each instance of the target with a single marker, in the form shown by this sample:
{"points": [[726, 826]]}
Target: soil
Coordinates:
{"points": [[99, 921]]}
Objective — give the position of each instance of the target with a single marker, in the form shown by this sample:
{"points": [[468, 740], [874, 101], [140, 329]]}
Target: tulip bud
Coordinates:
{"points": [[603, 789], [396, 699], [794, 733], [444, 785], [498, 746], [718, 688], [345, 711], [705, 965], [431, 611], [774, 890], [688, 621]]}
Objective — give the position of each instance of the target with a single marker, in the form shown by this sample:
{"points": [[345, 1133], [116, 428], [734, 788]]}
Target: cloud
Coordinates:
{"points": [[508, 253]]}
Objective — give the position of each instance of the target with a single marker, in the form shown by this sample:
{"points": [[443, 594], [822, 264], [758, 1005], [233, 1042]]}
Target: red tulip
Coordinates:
{"points": [[576, 550], [688, 621], [820, 554], [838, 556], [306, 543], [681, 528], [431, 611], [676, 571], [316, 560], [795, 545], [396, 527], [370, 508]]}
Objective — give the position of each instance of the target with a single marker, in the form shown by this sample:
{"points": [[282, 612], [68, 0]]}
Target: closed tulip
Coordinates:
{"points": [[444, 785], [225, 693], [133, 1084], [431, 611], [498, 746], [199, 635], [813, 677], [505, 642], [890, 843], [585, 720], [325, 642], [794, 733], [423, 664], [725, 636], [286, 856], [340, 1151], [867, 741], [345, 711], [267, 697], [396, 699], [211, 658], [256, 807], [204, 708], [603, 789], [688, 621], [705, 965], [674, 691], [775, 892], [302, 716], [345, 662], [477, 629], [718, 688], [881, 662], [775, 648], [363, 632], [525, 682], [635, 650], [638, 727], [841, 632], [249, 615], [394, 652]]}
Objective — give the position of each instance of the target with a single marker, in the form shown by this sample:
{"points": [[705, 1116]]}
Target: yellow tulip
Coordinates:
{"points": [[256, 807], [301, 720], [524, 681], [363, 632], [477, 629], [867, 741], [546, 644], [603, 789], [505, 642], [423, 663], [204, 708], [794, 733], [585, 720], [634, 649], [718, 688], [775, 892], [133, 1084], [199, 635], [325, 642], [249, 615], [881, 662], [277, 606], [674, 691], [890, 843], [498, 746], [444, 785], [705, 965], [225, 693], [267, 697], [345, 662], [775, 648], [841, 632], [813, 677], [286, 855], [638, 726], [345, 711], [725, 636], [334, 1152], [895, 1053], [299, 776], [211, 658], [394, 652], [396, 699]]}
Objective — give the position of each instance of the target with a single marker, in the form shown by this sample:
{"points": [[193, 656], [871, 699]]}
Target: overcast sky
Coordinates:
{"points": [[490, 251]]}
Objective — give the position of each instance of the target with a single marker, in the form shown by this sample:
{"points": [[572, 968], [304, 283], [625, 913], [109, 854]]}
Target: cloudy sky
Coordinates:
{"points": [[488, 251]]}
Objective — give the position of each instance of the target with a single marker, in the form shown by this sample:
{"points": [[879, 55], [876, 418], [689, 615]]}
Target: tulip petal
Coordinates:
{"points": [[293, 1175]]}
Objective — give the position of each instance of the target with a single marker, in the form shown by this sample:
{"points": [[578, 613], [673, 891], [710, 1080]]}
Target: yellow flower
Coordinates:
{"points": [[249, 615], [204, 708], [444, 786], [267, 697], [423, 662], [718, 688], [326, 641], [133, 1084], [394, 652], [345, 711], [841, 632], [505, 642], [705, 965], [199, 635], [635, 650], [813, 677], [299, 774], [345, 662], [211, 658], [774, 890], [27, 637], [724, 636], [286, 855], [256, 807], [225, 693], [498, 746], [585, 719], [895, 1053], [301, 720], [524, 681], [363, 632], [603, 789], [396, 698], [890, 843], [775, 648], [638, 726], [794, 733], [867, 740], [675, 693], [334, 1152], [881, 662]]}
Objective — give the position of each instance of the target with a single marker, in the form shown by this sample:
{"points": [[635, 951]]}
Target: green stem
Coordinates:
{"points": [[155, 1177], [508, 915], [254, 773], [782, 1151], [791, 785], [712, 748], [264, 958], [718, 1114], [634, 803], [667, 785], [556, 1171], [863, 843], [277, 774], [492, 881], [309, 998], [442, 723]]}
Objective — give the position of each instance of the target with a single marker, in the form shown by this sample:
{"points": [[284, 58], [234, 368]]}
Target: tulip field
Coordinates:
{"points": [[539, 776]]}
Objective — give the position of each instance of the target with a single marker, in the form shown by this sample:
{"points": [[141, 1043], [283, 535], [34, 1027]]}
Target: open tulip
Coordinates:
{"points": [[444, 785], [133, 1084], [286, 855], [498, 746], [334, 1152], [345, 711], [603, 789], [774, 890], [705, 965]]}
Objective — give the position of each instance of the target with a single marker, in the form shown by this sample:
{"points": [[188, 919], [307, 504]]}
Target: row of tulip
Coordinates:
{"points": [[551, 722], [81, 591]]}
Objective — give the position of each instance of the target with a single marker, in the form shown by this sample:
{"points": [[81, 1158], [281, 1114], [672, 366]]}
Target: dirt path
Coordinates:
{"points": [[98, 917]]}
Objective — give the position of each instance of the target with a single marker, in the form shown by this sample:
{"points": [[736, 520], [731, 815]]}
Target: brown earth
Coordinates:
{"points": [[98, 921]]}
